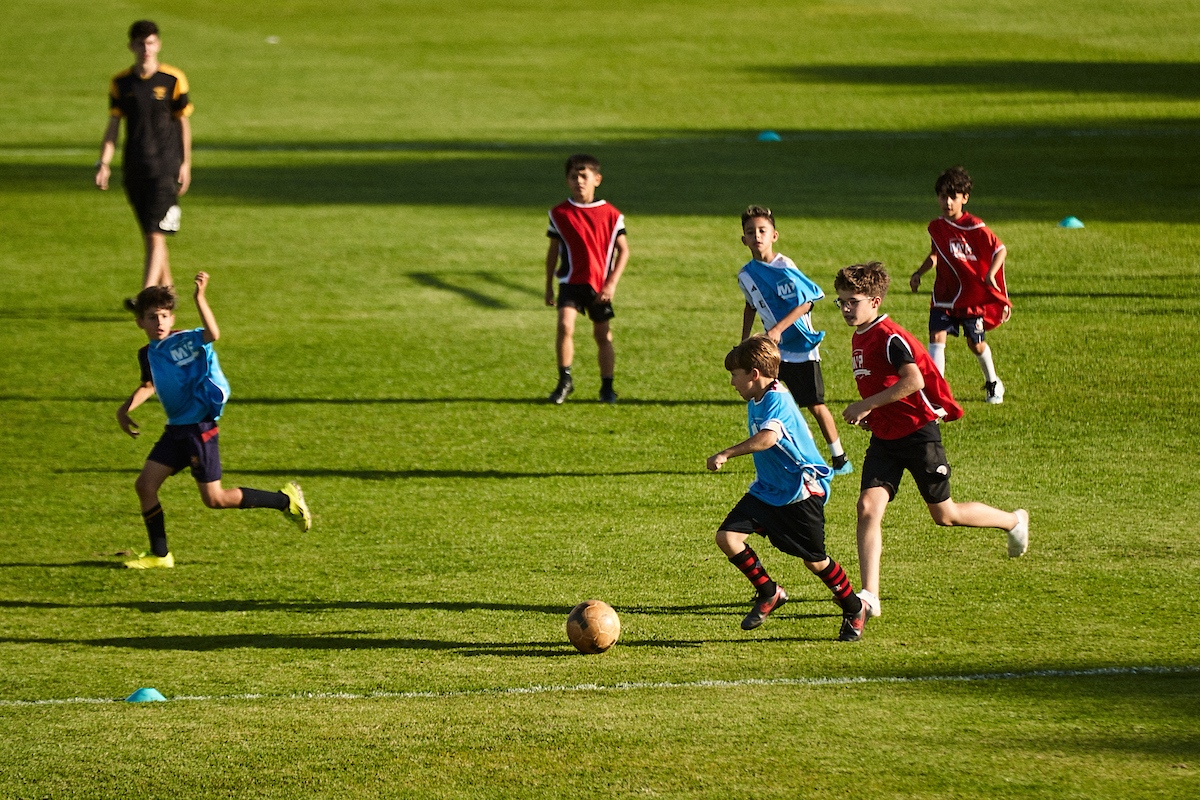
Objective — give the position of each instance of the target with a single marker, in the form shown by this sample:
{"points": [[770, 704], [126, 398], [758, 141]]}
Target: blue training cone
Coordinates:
{"points": [[769, 136], [1071, 222], [146, 695]]}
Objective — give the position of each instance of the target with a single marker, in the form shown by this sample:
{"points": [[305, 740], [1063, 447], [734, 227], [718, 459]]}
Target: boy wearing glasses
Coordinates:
{"points": [[904, 397]]}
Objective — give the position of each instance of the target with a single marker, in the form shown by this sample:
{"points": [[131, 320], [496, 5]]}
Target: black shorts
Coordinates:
{"points": [[155, 203], [920, 453], [190, 445], [797, 529], [941, 319], [581, 296], [804, 381]]}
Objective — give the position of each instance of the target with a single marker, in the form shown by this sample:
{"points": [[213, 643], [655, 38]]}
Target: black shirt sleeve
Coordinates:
{"points": [[144, 364], [898, 353]]}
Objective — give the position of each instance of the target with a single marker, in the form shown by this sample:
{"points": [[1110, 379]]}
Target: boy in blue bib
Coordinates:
{"points": [[181, 367]]}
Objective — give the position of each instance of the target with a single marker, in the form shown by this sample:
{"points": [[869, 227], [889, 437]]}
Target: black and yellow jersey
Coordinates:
{"points": [[152, 108]]}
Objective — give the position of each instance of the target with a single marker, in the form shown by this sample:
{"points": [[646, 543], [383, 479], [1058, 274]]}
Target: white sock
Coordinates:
{"points": [[985, 364], [938, 352], [835, 448]]}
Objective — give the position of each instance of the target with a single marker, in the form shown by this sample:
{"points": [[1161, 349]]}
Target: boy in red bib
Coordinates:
{"points": [[969, 290], [587, 255], [904, 399]]}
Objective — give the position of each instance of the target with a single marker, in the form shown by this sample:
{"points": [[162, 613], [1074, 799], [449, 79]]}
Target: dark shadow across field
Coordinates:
{"points": [[1036, 173], [404, 474], [356, 401], [1170, 79]]}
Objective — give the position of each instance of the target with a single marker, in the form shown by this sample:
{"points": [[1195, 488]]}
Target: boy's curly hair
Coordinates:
{"points": [[869, 279], [758, 352], [153, 297], [754, 212], [953, 181]]}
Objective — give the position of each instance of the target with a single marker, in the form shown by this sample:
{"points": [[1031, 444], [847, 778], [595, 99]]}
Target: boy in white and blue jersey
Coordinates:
{"points": [[181, 367], [782, 296], [786, 501]]}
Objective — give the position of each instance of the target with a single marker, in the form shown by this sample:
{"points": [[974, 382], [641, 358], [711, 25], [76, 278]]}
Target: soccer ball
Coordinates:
{"points": [[593, 626]]}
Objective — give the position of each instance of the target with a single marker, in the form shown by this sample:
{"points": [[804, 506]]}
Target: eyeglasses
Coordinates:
{"points": [[846, 305]]}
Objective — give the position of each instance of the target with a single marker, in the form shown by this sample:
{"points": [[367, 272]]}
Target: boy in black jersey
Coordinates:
{"points": [[152, 98]]}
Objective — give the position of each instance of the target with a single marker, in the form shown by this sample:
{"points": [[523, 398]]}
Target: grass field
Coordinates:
{"points": [[369, 196]]}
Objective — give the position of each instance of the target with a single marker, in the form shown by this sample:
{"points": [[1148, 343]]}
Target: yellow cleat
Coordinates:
{"points": [[151, 561], [297, 509]]}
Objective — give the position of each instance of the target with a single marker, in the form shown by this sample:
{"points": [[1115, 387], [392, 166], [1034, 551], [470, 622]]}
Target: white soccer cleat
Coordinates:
{"points": [[1018, 537], [995, 392], [872, 603]]}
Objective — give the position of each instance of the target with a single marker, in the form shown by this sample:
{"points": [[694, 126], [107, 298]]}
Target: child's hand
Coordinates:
{"points": [[127, 424], [549, 295], [914, 282], [715, 462], [201, 283], [856, 414]]}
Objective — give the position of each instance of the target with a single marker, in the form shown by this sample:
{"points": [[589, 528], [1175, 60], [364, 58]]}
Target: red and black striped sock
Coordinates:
{"points": [[747, 561], [839, 583], [156, 526]]}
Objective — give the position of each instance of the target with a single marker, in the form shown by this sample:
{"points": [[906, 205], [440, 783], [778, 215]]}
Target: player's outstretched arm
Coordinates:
{"points": [[139, 396], [765, 439], [610, 286], [211, 331]]}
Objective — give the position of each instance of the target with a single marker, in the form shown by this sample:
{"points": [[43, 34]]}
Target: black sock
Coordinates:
{"points": [[606, 384], [564, 374], [156, 526], [747, 561], [839, 583], [257, 498]]}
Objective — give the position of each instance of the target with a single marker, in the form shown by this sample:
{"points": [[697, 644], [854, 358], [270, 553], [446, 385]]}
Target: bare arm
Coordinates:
{"points": [[108, 149], [211, 331], [748, 321], [185, 169], [551, 266], [914, 282], [910, 381], [994, 270], [763, 440], [139, 396], [610, 286], [776, 332]]}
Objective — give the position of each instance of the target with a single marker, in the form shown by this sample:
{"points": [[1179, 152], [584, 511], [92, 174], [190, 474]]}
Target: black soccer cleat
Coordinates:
{"points": [[853, 624], [564, 388], [608, 396], [762, 608]]}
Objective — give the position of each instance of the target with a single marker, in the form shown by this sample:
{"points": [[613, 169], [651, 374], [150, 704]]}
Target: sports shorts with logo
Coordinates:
{"points": [[921, 453], [797, 529], [155, 203], [194, 446], [940, 319], [582, 297]]}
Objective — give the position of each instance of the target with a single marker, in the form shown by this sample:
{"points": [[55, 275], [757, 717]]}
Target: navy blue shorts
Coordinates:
{"points": [[194, 446], [582, 297], [797, 529], [804, 381], [941, 320]]}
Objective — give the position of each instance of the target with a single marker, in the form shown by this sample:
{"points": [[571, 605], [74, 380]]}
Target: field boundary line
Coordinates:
{"points": [[641, 685]]}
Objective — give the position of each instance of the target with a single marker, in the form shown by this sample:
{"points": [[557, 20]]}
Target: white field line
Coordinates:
{"points": [[626, 687]]}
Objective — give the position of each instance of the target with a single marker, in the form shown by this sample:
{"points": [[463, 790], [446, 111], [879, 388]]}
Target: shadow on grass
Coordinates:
{"points": [[403, 474], [403, 401], [1036, 173]]}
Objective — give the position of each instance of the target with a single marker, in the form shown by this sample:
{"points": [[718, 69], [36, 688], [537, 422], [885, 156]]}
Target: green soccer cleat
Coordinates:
{"points": [[151, 561], [297, 510]]}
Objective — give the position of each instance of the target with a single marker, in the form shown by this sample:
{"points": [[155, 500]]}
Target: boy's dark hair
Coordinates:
{"points": [[154, 297], [869, 279], [141, 29], [580, 160], [758, 352], [953, 181], [754, 212]]}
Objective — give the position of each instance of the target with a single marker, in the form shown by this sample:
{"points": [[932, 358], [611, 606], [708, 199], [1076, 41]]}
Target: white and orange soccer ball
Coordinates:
{"points": [[593, 626]]}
